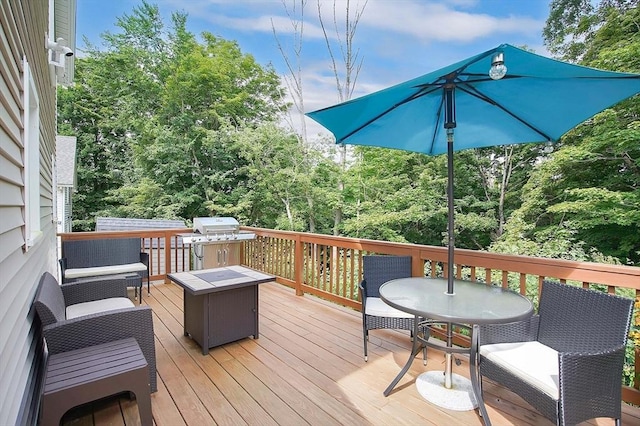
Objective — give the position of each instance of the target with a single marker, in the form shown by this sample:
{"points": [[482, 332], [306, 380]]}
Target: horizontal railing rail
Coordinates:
{"points": [[330, 267]]}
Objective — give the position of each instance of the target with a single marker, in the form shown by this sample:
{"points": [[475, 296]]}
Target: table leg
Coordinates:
{"points": [[184, 312], [256, 316], [206, 304], [417, 345], [475, 377]]}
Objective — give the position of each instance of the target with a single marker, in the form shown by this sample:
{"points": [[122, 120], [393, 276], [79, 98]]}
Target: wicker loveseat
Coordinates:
{"points": [[106, 256], [567, 360]]}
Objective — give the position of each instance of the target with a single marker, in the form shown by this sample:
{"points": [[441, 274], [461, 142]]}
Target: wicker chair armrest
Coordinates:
{"points": [[363, 292], [602, 368], [144, 258], [589, 377], [519, 331], [109, 326], [63, 267], [94, 288]]}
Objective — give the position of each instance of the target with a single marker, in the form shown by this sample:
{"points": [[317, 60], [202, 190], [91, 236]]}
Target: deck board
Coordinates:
{"points": [[306, 367]]}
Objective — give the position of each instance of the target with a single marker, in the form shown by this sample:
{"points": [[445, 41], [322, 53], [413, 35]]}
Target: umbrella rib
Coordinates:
{"points": [[436, 127], [424, 90], [420, 93], [478, 94]]}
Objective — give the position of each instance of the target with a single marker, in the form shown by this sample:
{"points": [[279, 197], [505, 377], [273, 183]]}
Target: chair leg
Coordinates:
{"points": [[143, 399], [366, 341]]}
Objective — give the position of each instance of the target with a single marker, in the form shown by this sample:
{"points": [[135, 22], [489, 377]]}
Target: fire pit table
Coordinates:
{"points": [[220, 304]]}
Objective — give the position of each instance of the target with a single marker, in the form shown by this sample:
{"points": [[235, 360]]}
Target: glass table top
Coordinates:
{"points": [[471, 303]]}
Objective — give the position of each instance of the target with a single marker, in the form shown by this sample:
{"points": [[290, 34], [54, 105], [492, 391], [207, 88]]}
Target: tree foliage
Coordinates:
{"points": [[573, 26], [148, 109], [587, 192]]}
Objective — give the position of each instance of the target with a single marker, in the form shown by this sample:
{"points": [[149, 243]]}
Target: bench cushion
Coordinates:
{"points": [[103, 270], [98, 306], [532, 362], [376, 307]]}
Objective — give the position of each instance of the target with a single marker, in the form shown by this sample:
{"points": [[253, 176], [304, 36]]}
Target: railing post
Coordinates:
{"points": [[167, 255], [417, 267], [298, 264]]}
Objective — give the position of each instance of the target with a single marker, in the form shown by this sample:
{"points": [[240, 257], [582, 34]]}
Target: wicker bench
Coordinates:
{"points": [[88, 374], [107, 256]]}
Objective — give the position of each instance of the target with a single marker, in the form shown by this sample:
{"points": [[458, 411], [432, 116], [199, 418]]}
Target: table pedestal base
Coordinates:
{"points": [[459, 398]]}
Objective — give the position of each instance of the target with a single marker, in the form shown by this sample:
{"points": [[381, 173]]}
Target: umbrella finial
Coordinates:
{"points": [[498, 68]]}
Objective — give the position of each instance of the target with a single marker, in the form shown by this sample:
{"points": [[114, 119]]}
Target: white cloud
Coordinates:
{"points": [[266, 23], [437, 22], [426, 21], [399, 39]]}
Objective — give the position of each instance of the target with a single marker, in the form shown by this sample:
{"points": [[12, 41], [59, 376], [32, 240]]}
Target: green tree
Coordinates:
{"points": [[587, 192], [390, 195], [147, 107], [572, 25]]}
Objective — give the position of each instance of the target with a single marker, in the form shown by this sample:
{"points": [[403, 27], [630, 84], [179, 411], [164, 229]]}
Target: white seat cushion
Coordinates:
{"points": [[104, 270], [533, 362], [97, 306], [376, 307]]}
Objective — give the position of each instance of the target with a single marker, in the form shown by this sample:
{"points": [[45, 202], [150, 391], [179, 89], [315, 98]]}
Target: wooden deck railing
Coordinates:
{"points": [[329, 267]]}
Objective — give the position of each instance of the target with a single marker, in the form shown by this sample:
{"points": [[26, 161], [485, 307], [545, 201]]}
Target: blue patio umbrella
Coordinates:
{"points": [[503, 96]]}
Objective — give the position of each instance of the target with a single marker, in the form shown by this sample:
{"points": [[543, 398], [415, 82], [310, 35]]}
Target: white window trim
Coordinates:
{"points": [[33, 230]]}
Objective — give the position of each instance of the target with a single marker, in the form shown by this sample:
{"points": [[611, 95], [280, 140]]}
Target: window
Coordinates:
{"points": [[31, 159]]}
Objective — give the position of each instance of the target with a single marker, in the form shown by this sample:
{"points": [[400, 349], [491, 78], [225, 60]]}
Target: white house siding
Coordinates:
{"points": [[23, 24]]}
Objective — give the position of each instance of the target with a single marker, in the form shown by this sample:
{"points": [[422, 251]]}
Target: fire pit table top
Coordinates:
{"points": [[205, 281]]}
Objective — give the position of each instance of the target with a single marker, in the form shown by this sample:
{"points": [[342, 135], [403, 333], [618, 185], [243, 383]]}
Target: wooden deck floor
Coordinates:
{"points": [[306, 368]]}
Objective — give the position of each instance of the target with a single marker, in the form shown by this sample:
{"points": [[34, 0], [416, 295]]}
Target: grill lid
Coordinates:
{"points": [[214, 225]]}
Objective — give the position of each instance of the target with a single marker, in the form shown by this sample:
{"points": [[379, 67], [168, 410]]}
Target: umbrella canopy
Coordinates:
{"points": [[537, 100]]}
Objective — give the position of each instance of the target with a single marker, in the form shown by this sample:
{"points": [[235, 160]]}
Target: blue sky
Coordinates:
{"points": [[396, 39]]}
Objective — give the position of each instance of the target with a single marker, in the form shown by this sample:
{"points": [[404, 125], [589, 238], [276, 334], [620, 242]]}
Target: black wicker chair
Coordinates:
{"points": [[375, 313], [567, 360], [61, 334]]}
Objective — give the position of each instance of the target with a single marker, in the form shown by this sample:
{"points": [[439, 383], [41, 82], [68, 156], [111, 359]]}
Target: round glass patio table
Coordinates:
{"points": [[470, 304]]}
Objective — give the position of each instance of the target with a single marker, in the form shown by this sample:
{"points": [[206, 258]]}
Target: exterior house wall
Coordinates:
{"points": [[23, 28]]}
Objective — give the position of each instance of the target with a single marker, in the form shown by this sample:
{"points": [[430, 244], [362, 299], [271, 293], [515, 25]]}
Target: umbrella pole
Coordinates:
{"points": [[448, 356], [451, 232], [449, 124]]}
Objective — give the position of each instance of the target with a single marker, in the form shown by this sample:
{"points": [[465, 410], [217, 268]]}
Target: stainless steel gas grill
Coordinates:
{"points": [[216, 241]]}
